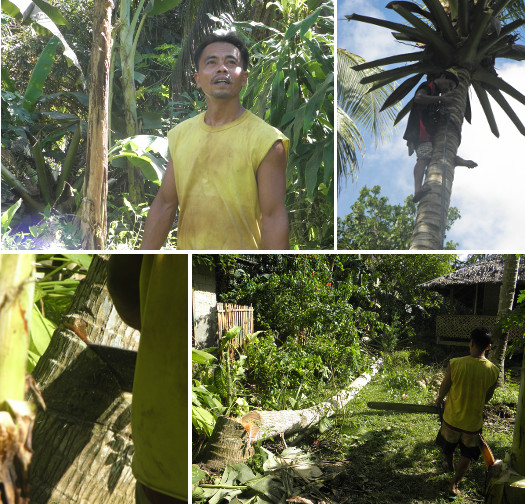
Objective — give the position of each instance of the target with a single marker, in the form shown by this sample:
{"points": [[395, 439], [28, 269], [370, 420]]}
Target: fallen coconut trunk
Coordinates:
{"points": [[231, 439]]}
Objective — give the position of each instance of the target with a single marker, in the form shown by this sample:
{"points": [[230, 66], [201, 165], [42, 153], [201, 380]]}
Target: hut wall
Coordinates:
{"points": [[490, 299], [456, 329]]}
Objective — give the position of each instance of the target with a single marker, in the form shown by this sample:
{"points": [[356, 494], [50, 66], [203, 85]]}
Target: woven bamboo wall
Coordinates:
{"points": [[456, 329]]}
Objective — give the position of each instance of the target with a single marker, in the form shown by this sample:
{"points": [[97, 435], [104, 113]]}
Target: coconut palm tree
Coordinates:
{"points": [[466, 37], [356, 106]]}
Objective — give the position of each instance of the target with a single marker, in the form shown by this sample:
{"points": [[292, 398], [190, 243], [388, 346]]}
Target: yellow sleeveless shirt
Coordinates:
{"points": [[215, 176], [471, 379], [159, 411]]}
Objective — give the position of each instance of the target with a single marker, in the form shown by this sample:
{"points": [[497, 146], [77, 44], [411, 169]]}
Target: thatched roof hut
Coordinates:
{"points": [[473, 293], [489, 271]]}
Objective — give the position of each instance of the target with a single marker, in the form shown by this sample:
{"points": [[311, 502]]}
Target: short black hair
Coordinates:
{"points": [[229, 37], [481, 337]]}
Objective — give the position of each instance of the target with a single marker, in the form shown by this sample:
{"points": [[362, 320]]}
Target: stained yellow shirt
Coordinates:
{"points": [[159, 411], [215, 176], [471, 379]]}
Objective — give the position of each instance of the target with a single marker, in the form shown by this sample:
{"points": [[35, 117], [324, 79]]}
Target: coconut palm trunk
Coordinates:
{"points": [[429, 230], [230, 442], [82, 442]]}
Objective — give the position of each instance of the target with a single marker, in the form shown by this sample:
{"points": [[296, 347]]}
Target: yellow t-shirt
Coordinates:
{"points": [[215, 176], [159, 412], [471, 379]]}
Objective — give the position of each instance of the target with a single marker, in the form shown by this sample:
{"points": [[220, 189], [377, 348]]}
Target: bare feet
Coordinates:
{"points": [[465, 162], [453, 488], [417, 196]]}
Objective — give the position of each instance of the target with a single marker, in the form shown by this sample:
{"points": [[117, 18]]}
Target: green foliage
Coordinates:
{"points": [[52, 231], [206, 405], [44, 19], [148, 152], [296, 375], [126, 223], [462, 44], [403, 375], [217, 383], [375, 224]]}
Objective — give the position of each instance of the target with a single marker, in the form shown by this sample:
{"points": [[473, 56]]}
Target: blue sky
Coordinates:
{"points": [[490, 197]]}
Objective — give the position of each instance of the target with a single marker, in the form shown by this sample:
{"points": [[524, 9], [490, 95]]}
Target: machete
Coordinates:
{"points": [[405, 407]]}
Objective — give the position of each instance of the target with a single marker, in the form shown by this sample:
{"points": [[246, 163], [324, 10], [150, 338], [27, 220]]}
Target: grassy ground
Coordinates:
{"points": [[391, 457]]}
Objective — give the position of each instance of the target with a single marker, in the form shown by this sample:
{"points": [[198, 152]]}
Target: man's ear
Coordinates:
{"points": [[245, 77], [197, 81]]}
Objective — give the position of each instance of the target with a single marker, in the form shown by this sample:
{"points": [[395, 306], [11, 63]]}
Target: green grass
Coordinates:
{"points": [[391, 457]]}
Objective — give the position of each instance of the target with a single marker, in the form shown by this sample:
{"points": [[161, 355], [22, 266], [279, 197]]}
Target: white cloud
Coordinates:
{"points": [[489, 197]]}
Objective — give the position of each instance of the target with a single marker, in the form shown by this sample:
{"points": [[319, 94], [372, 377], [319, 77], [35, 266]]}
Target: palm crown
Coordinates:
{"points": [[463, 34]]}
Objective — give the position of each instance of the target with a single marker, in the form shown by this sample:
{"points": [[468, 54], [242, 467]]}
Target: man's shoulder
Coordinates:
{"points": [[260, 123], [191, 122]]}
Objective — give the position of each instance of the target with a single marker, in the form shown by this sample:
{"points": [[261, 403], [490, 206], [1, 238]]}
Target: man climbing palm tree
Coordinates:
{"points": [[430, 100]]}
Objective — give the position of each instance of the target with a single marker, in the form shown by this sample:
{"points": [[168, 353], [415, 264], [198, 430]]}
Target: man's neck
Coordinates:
{"points": [[477, 355], [223, 112]]}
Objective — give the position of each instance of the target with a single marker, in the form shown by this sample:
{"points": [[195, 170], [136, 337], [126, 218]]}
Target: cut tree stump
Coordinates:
{"points": [[230, 442]]}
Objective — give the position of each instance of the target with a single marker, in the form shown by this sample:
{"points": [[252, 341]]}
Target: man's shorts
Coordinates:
{"points": [[424, 151], [449, 438]]}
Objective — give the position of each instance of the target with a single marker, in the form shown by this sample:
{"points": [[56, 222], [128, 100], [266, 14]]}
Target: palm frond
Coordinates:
{"points": [[358, 110], [349, 143]]}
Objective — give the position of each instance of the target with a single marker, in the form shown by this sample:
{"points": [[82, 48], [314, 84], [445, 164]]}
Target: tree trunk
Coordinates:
{"points": [[506, 300], [93, 210], [432, 211], [127, 63], [82, 443], [229, 443], [508, 486], [518, 441]]}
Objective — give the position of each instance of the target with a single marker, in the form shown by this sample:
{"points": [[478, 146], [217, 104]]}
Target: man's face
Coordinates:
{"points": [[220, 73]]}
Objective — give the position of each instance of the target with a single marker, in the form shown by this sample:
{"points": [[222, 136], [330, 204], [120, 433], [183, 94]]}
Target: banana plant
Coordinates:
{"points": [[17, 285], [129, 28], [51, 187]]}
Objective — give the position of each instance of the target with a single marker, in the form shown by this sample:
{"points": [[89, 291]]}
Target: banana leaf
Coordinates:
{"points": [[39, 75]]}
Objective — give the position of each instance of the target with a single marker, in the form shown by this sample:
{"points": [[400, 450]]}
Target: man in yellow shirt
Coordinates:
{"points": [[469, 384], [227, 167], [150, 293]]}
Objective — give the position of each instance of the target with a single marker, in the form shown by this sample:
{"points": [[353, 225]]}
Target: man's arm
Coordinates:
{"points": [[124, 286], [445, 386], [271, 183], [423, 97], [161, 213], [490, 392]]}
